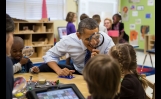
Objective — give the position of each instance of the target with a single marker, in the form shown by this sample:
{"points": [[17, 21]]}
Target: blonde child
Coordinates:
{"points": [[132, 85], [103, 75]]}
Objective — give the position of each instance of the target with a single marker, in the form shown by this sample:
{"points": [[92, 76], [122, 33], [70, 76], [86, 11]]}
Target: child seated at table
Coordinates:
{"points": [[132, 84], [103, 76], [20, 64]]}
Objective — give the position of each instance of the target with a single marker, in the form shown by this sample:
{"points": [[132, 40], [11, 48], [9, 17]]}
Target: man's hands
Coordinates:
{"points": [[64, 72], [23, 61], [94, 52]]}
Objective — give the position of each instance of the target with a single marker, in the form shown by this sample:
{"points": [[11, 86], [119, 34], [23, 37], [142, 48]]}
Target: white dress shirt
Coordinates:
{"points": [[74, 46]]}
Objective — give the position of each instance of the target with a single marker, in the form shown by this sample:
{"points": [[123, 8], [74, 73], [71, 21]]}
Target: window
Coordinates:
{"points": [[32, 9]]}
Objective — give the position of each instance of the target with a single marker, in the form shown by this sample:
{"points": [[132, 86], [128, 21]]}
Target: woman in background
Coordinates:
{"points": [[108, 24]]}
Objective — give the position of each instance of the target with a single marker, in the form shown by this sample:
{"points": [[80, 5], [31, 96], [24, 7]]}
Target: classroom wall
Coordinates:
{"points": [[141, 15], [70, 6]]}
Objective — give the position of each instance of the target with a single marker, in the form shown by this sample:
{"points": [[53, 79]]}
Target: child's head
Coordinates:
{"points": [[116, 18], [17, 47], [103, 75], [97, 18], [108, 23], [83, 16], [125, 9], [71, 17], [126, 56]]}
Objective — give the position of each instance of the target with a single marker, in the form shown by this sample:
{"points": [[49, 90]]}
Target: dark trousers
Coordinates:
{"points": [[45, 68]]}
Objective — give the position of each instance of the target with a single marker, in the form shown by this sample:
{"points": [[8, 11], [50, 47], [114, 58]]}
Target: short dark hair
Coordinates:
{"points": [[70, 16], [87, 23], [97, 18], [103, 75], [9, 24], [83, 16]]}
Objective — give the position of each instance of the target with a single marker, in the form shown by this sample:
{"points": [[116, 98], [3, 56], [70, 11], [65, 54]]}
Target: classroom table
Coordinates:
{"points": [[50, 76]]}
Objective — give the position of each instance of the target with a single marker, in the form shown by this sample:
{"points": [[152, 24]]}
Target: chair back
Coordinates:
{"points": [[151, 85]]}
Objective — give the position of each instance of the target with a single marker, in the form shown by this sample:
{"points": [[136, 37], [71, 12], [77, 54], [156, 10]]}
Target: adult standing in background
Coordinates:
{"points": [[108, 24], [9, 66]]}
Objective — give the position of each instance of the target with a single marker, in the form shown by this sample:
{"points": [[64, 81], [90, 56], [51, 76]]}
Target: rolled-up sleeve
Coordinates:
{"points": [[56, 52]]}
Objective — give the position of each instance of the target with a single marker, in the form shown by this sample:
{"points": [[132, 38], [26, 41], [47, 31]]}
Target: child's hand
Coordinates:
{"points": [[35, 69], [94, 52], [23, 61]]}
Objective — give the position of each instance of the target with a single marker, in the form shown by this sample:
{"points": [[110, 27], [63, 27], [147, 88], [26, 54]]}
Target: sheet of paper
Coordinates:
{"points": [[138, 21], [134, 13], [150, 2], [132, 26]]}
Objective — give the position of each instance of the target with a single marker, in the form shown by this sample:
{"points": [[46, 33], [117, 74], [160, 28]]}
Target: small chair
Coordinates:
{"points": [[152, 51], [151, 85]]}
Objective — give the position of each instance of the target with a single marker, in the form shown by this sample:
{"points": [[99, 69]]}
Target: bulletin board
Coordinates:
{"points": [[138, 17]]}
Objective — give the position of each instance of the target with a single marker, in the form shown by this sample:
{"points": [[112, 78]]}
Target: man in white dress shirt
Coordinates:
{"points": [[76, 45]]}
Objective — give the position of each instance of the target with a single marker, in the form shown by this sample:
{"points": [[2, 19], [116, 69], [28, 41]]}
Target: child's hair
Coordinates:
{"points": [[97, 18], [83, 16], [119, 16], [70, 16], [102, 74], [126, 56]]}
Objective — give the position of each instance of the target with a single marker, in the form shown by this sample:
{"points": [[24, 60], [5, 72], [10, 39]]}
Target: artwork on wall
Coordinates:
{"points": [[134, 1], [140, 7], [133, 7], [134, 37], [132, 26], [134, 13], [150, 2], [125, 13], [144, 29], [137, 21], [148, 15]]}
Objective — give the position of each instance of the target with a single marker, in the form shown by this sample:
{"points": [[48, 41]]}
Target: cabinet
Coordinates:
{"points": [[39, 35]]}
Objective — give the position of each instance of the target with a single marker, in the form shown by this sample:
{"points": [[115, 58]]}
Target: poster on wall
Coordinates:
{"points": [[144, 29], [150, 2], [140, 8], [134, 13], [134, 38], [133, 7], [125, 13], [137, 21], [148, 15], [132, 26], [134, 1]]}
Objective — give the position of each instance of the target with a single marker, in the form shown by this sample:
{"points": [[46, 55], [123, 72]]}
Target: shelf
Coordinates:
{"points": [[39, 33], [42, 45], [34, 33]]}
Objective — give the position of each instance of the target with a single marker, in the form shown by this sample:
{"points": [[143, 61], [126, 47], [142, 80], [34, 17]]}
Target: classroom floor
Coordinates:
{"points": [[140, 58]]}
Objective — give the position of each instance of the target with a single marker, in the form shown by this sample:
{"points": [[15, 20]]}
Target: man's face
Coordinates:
{"points": [[85, 37]]}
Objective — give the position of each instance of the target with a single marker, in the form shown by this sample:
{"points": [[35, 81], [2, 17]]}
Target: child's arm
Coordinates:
{"points": [[121, 30], [16, 67]]}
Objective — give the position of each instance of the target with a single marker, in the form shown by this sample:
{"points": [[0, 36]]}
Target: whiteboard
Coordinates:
{"points": [[105, 8]]}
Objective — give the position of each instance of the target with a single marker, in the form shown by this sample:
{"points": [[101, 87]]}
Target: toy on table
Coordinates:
{"points": [[27, 51], [68, 77]]}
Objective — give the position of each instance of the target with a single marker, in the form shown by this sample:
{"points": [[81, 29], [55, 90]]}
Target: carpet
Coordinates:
{"points": [[147, 70]]}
